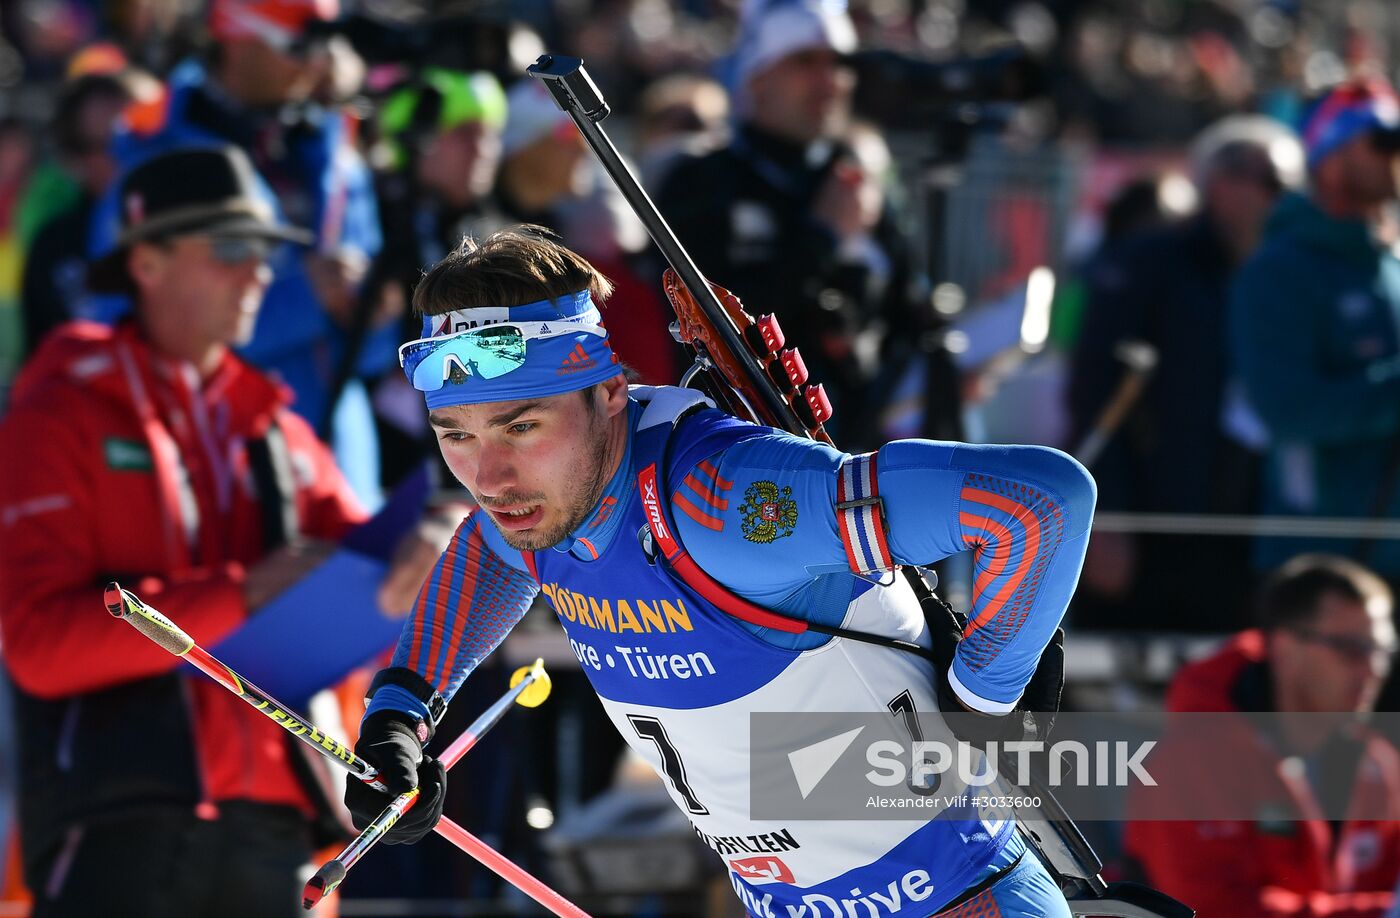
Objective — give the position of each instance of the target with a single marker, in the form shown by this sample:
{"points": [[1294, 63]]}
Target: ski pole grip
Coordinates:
{"points": [[330, 876], [146, 620]]}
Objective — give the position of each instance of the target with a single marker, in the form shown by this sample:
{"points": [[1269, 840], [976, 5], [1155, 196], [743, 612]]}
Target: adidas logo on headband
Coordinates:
{"points": [[577, 361]]}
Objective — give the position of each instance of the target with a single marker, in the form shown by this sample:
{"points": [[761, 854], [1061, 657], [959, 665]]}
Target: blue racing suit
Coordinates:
{"points": [[756, 509], [318, 181]]}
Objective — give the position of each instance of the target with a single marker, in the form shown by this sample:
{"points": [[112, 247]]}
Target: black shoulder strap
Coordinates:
{"points": [[270, 462]]}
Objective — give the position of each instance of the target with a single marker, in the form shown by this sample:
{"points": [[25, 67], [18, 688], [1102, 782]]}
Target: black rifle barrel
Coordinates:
{"points": [[575, 92]]}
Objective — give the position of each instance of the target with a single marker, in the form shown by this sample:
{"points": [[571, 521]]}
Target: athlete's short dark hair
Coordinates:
{"points": [[508, 268]]}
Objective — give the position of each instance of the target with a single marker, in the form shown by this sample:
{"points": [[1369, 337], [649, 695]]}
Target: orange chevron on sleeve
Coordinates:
{"points": [[1018, 511], [1000, 554], [701, 488], [679, 501], [1002, 545], [709, 469]]}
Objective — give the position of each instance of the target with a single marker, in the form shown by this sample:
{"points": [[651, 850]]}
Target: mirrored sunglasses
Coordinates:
{"points": [[486, 353]]}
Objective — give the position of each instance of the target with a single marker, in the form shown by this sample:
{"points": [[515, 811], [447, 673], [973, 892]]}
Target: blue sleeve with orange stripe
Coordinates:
{"points": [[478, 591], [760, 518]]}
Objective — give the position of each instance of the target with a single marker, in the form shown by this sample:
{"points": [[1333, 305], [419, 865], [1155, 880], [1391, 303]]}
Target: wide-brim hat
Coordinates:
{"points": [[198, 191]]}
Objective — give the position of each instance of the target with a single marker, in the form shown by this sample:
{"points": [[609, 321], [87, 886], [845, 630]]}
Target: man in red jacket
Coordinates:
{"points": [[150, 453], [1325, 644]]}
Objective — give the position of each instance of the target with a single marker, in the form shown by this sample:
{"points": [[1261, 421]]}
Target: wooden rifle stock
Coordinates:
{"points": [[782, 368]]}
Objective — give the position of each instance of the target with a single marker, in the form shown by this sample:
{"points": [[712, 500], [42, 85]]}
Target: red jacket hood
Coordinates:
{"points": [[1206, 685], [86, 354]]}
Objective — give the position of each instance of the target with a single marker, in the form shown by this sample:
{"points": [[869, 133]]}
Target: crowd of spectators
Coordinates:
{"points": [[1234, 166]]}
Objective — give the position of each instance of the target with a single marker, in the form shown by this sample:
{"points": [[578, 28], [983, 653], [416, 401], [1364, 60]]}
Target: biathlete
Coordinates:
{"points": [[536, 419]]}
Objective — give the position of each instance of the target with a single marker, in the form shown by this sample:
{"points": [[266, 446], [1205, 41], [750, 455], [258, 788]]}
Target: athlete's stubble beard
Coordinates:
{"points": [[582, 502]]}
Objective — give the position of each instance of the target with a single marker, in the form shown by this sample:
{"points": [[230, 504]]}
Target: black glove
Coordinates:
{"points": [[1034, 715], [389, 740]]}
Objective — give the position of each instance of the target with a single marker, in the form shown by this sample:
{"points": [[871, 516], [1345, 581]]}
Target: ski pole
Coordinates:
{"points": [[125, 605], [530, 686]]}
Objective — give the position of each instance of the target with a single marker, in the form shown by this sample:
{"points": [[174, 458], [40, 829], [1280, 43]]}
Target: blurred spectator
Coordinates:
{"points": [[53, 188], [1179, 449], [780, 215], [680, 115], [140, 389], [53, 291], [153, 33], [49, 32], [444, 129], [1313, 328], [1134, 208], [151, 452], [1138, 77], [437, 158], [629, 44], [548, 178], [1325, 642], [256, 91], [543, 155]]}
